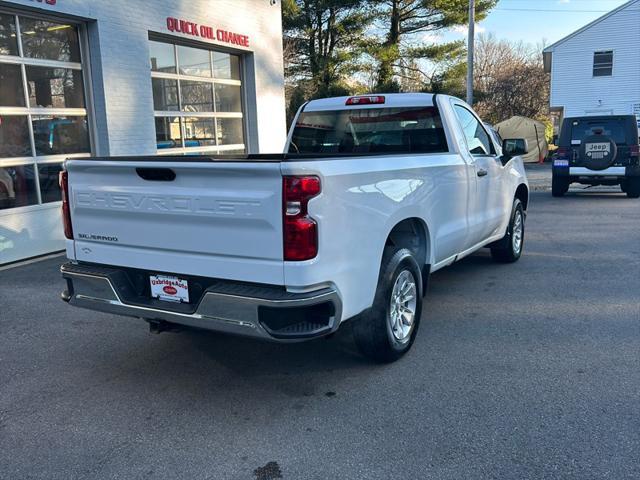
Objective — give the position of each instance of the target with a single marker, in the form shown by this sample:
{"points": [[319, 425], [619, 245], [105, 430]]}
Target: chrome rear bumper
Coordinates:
{"points": [[608, 172], [250, 310]]}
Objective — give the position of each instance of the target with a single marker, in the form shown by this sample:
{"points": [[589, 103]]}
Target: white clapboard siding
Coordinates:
{"points": [[573, 85]]}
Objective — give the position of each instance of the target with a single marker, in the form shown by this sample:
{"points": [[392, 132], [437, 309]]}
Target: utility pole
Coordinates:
{"points": [[470, 48]]}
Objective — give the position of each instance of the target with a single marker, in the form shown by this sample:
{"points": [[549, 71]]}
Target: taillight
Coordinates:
{"points": [[634, 150], [66, 209], [300, 230], [563, 153]]}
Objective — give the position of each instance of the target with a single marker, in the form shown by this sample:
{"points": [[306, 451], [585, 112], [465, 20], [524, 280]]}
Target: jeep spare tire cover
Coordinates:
{"points": [[598, 152]]}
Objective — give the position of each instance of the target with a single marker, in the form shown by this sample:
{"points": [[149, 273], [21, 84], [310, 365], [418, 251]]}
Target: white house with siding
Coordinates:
{"points": [[596, 70]]}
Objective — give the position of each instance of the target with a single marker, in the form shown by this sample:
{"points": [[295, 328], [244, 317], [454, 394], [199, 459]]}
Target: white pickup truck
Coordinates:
{"points": [[373, 194]]}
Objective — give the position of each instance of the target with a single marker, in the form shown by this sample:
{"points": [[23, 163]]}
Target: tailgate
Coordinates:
{"points": [[220, 220]]}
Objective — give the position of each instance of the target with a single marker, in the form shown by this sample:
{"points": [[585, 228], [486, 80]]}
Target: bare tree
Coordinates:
{"points": [[509, 80]]}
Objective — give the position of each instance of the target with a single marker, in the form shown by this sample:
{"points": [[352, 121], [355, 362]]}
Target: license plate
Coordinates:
{"points": [[169, 289]]}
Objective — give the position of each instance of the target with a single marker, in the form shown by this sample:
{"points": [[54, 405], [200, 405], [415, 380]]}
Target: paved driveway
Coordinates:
{"points": [[524, 371]]}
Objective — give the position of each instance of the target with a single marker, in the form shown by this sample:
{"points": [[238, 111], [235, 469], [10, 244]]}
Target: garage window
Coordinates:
{"points": [[43, 115], [197, 96], [603, 63]]}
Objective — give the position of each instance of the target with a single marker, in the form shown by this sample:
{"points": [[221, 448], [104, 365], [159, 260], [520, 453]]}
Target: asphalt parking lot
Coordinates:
{"points": [[524, 371]]}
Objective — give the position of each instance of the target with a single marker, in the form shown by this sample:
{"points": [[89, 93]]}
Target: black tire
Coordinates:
{"points": [[509, 249], [372, 330], [631, 187], [559, 185]]}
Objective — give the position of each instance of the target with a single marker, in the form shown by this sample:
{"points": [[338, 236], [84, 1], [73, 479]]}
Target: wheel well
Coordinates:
{"points": [[411, 234], [522, 194]]}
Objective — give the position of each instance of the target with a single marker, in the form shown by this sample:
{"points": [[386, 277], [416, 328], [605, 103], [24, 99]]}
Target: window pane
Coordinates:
{"points": [[168, 134], [375, 130], [603, 64], [165, 94], [49, 187], [8, 40], [603, 57], [55, 87], [226, 66], [612, 128], [602, 71], [49, 40], [477, 139], [228, 98], [229, 131], [199, 132], [14, 137], [196, 96], [11, 90], [17, 187], [194, 61], [60, 135], [163, 57]]}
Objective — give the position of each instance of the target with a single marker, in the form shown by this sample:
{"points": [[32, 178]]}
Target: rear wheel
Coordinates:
{"points": [[631, 187], [386, 331], [509, 249], [559, 185]]}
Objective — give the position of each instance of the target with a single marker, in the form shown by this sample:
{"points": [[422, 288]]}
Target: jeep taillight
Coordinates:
{"points": [[634, 151], [66, 209], [300, 230], [563, 153]]}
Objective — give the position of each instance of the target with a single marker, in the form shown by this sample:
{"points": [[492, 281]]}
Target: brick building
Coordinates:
{"points": [[127, 77]]}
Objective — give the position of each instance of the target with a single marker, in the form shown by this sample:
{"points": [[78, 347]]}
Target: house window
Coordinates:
{"points": [[603, 64], [197, 95], [43, 115]]}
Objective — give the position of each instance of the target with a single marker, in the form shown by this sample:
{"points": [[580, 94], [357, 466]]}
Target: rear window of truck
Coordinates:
{"points": [[369, 130]]}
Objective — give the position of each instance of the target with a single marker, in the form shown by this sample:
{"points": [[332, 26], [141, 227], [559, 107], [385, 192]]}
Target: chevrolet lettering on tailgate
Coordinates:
{"points": [[168, 204]]}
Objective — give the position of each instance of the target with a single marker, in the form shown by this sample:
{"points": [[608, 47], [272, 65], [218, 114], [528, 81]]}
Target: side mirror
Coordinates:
{"points": [[513, 147]]}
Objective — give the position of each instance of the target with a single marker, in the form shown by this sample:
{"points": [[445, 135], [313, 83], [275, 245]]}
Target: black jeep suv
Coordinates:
{"points": [[598, 151]]}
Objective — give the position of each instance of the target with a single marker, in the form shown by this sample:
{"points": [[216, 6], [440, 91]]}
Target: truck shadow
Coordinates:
{"points": [[249, 357]]}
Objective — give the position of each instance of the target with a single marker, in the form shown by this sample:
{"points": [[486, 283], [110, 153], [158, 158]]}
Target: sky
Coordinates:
{"points": [[535, 21]]}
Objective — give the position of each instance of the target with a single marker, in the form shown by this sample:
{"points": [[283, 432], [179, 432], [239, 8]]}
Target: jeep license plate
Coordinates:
{"points": [[169, 289]]}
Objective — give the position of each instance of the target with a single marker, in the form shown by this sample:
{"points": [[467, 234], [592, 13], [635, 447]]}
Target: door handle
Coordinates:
{"points": [[482, 172]]}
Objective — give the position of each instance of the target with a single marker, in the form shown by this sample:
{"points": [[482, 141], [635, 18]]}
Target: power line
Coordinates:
{"points": [[619, 2], [547, 10]]}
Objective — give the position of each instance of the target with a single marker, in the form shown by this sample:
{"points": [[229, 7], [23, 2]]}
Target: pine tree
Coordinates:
{"points": [[406, 20]]}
